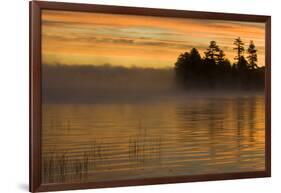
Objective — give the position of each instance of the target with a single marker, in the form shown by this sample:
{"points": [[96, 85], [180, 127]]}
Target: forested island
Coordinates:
{"points": [[215, 71]]}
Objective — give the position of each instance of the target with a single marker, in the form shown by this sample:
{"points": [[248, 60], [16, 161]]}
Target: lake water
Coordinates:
{"points": [[200, 135]]}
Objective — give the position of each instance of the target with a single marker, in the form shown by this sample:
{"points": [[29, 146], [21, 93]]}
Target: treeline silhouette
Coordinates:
{"points": [[215, 71]]}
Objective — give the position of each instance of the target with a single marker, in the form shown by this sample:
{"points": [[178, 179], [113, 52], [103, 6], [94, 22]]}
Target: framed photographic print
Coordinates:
{"points": [[123, 96]]}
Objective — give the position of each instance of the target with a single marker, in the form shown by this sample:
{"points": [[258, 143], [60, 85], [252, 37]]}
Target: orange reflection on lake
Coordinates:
{"points": [[173, 137]]}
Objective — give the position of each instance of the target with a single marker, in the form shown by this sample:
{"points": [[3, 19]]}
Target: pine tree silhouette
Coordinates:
{"points": [[252, 57], [239, 47], [216, 71]]}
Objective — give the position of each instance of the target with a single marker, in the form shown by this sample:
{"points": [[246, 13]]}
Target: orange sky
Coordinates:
{"points": [[126, 40]]}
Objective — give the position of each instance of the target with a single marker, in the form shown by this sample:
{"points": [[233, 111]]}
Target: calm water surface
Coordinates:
{"points": [[104, 142]]}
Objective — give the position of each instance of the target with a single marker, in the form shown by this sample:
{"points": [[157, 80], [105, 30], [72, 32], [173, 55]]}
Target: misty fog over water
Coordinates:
{"points": [[94, 84]]}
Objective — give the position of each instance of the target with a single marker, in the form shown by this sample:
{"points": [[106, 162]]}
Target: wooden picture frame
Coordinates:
{"points": [[36, 7]]}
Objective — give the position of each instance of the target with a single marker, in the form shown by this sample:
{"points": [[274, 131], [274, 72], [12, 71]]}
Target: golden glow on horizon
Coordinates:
{"points": [[126, 40]]}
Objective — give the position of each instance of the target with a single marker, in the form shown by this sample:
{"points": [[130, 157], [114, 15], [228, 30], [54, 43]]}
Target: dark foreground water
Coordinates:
{"points": [[104, 142]]}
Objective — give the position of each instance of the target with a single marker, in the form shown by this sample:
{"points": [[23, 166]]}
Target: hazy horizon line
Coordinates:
{"points": [[107, 65]]}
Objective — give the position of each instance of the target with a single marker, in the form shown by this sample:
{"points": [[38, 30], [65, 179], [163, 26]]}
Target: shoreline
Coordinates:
{"points": [[176, 96]]}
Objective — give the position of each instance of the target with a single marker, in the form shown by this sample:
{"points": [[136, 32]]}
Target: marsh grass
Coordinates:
{"points": [[60, 167], [144, 152]]}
